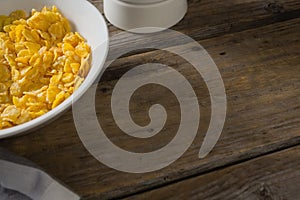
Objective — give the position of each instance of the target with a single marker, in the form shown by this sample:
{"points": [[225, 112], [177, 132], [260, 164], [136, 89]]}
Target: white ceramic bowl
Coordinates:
{"points": [[88, 21]]}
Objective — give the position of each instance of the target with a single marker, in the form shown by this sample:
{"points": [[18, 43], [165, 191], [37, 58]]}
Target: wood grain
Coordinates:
{"points": [[274, 176], [259, 63], [212, 18]]}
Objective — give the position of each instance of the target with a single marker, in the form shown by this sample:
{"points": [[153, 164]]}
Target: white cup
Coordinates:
{"points": [[142, 1], [144, 16]]}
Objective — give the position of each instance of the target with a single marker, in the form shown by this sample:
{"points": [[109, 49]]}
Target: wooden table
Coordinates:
{"points": [[255, 44]]}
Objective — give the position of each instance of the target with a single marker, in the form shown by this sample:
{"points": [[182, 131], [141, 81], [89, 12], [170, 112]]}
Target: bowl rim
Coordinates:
{"points": [[66, 104]]}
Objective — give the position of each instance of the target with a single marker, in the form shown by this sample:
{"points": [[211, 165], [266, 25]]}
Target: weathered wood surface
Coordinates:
{"points": [[274, 176], [256, 46]]}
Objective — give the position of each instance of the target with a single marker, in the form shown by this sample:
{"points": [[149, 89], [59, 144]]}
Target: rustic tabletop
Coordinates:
{"points": [[255, 45]]}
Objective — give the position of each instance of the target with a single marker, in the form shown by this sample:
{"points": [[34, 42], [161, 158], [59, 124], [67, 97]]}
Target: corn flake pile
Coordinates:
{"points": [[41, 64]]}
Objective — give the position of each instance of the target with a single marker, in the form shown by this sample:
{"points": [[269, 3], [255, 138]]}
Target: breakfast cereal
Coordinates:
{"points": [[41, 64]]}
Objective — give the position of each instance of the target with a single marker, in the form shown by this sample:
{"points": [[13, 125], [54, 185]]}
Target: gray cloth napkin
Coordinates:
{"points": [[21, 179]]}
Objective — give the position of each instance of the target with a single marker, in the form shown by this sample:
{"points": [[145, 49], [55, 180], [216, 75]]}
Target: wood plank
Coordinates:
{"points": [[274, 176], [260, 69], [234, 15], [211, 18]]}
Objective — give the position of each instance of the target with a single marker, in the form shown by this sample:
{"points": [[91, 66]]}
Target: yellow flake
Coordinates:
{"points": [[41, 64]]}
